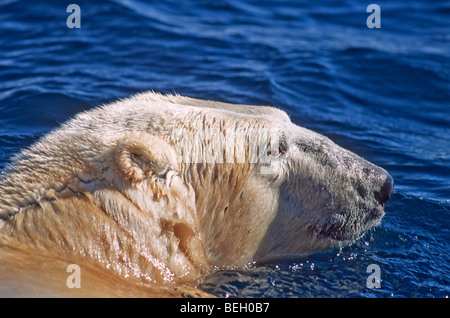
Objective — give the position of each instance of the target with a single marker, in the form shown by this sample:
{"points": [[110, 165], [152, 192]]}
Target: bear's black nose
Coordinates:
{"points": [[386, 190]]}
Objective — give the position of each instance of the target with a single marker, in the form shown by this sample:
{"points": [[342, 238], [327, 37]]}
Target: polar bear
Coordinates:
{"points": [[149, 194]]}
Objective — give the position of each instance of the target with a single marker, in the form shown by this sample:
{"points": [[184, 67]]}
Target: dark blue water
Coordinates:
{"points": [[382, 93]]}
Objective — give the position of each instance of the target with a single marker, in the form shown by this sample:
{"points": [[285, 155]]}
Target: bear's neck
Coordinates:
{"points": [[108, 229]]}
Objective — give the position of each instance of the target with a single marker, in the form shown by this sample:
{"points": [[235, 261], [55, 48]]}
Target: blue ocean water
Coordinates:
{"points": [[383, 93]]}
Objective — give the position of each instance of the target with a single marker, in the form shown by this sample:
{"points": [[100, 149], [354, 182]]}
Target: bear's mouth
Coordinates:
{"points": [[349, 229], [334, 232]]}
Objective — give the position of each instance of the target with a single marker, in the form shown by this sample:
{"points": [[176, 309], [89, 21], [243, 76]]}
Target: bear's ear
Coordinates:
{"points": [[141, 155]]}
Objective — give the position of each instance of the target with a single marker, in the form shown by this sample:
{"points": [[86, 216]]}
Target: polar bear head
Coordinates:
{"points": [[267, 188], [168, 186]]}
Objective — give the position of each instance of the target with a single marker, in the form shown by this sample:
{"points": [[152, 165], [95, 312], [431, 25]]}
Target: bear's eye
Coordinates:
{"points": [[278, 149], [274, 152]]}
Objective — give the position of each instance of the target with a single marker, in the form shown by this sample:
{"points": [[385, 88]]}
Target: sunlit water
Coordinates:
{"points": [[382, 93]]}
